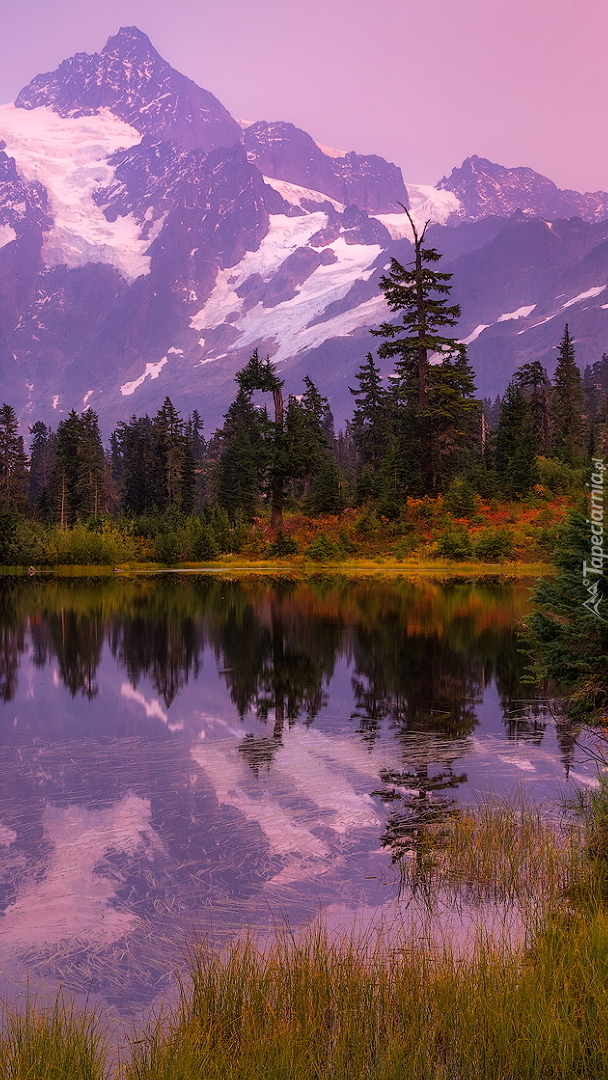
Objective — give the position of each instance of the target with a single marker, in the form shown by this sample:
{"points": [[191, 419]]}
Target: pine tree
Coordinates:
{"points": [[13, 463], [261, 375], [242, 459], [433, 399], [170, 440], [65, 471], [567, 400], [370, 426], [515, 444], [135, 465], [532, 379], [41, 452], [595, 390], [89, 492], [454, 420]]}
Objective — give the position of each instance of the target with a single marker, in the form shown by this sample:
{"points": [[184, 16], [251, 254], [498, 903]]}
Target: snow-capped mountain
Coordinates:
{"points": [[149, 241]]}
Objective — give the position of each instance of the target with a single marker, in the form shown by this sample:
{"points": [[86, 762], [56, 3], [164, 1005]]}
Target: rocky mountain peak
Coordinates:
{"points": [[132, 80], [130, 43], [285, 152], [485, 189]]}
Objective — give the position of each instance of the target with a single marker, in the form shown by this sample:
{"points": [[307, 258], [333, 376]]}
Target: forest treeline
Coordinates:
{"points": [[165, 488]]}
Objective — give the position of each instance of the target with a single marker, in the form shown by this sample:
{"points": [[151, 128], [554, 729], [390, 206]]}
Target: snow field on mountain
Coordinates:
{"points": [[151, 371], [287, 322], [428, 203], [69, 157], [296, 195], [584, 296]]}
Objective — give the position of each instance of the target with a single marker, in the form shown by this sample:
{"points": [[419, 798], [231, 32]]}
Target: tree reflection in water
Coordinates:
{"points": [[420, 655]]}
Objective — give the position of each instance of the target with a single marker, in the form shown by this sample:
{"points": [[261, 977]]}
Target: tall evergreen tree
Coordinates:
{"points": [[41, 456], [242, 458], [432, 398], [261, 375], [371, 424], [567, 401], [13, 462], [454, 420], [135, 465], [78, 470], [515, 444], [91, 466], [533, 381]]}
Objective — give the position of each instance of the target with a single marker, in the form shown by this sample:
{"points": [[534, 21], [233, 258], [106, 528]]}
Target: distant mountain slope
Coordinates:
{"points": [[148, 243], [484, 188], [287, 153]]}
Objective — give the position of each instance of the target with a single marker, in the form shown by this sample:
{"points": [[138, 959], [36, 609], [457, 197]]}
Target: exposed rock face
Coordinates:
{"points": [[132, 80], [484, 188], [288, 153], [142, 252]]}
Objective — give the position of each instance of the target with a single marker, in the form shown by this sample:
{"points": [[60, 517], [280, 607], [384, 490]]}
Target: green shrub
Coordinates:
{"points": [[369, 525], [454, 543], [405, 546], [493, 545], [558, 478], [283, 545], [205, 546], [460, 498], [79, 546], [324, 549]]}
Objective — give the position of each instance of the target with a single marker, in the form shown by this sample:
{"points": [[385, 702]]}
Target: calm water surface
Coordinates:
{"points": [[186, 755]]}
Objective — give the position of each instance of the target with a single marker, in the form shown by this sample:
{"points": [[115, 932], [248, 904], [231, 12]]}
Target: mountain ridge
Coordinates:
{"points": [[149, 242]]}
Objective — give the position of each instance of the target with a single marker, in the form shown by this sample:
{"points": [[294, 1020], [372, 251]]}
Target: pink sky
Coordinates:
{"points": [[522, 82]]}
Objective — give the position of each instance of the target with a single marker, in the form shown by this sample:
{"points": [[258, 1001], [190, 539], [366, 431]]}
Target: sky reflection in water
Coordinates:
{"points": [[185, 755]]}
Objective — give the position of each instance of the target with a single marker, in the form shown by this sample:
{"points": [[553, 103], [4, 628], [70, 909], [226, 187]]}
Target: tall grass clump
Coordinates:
{"points": [[318, 1009], [396, 1003], [408, 1005], [53, 1044], [498, 852]]}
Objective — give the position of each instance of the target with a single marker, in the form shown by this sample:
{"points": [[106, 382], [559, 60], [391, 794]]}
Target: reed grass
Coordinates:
{"points": [[311, 1006], [502, 852], [51, 1044]]}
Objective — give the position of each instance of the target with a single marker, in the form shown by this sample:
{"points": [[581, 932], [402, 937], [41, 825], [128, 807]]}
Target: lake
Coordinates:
{"points": [[187, 755]]}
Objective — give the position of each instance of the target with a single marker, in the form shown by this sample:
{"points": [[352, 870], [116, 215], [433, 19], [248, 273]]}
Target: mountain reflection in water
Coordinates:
{"points": [[181, 752]]}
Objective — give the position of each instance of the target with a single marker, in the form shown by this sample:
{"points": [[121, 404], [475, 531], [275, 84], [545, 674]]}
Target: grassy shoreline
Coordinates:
{"points": [[308, 1006], [438, 569]]}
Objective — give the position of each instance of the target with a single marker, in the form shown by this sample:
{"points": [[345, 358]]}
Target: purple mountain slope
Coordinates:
{"points": [[287, 153], [148, 244], [484, 188]]}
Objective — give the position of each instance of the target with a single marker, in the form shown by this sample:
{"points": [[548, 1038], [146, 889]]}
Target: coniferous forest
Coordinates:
{"points": [[421, 467]]}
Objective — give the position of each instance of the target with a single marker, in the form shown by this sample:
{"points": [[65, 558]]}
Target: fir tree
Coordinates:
{"points": [[432, 398], [13, 462], [567, 402], [135, 466], [454, 418], [532, 379], [65, 472], [89, 492], [242, 459], [370, 426], [515, 444], [41, 450], [261, 375]]}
